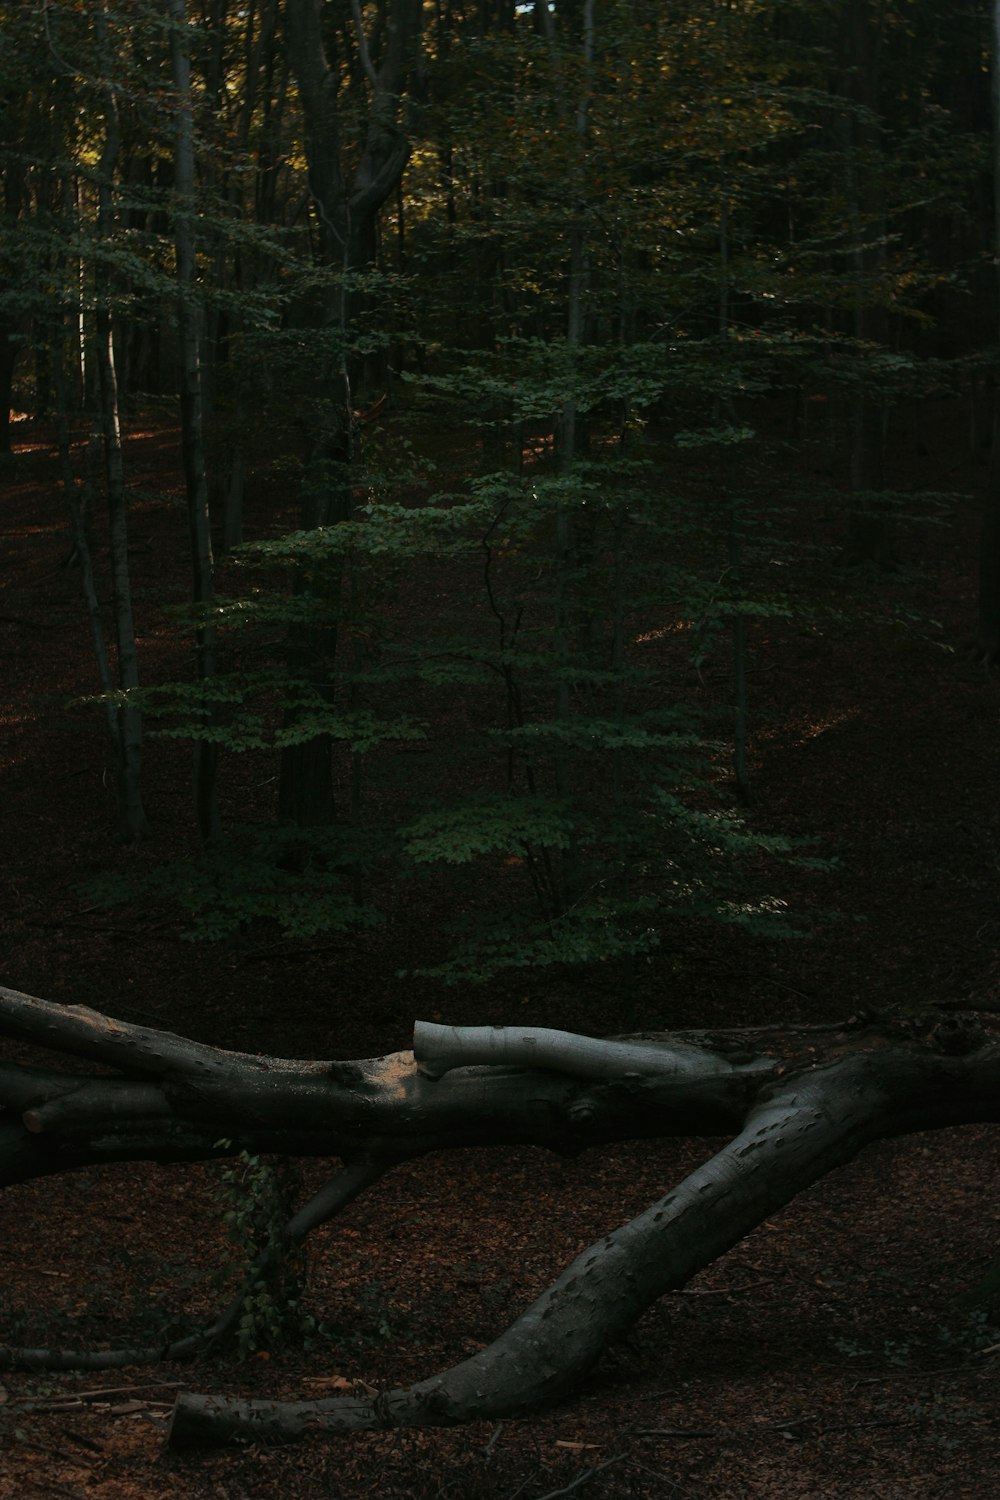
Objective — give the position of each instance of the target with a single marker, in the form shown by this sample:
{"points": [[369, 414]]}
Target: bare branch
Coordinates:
{"points": [[359, 30]]}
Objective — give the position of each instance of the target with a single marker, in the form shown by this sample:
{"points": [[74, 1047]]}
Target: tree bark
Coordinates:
{"points": [[131, 814], [192, 417], [12, 329], [868, 539], [347, 208], [790, 1140], [10, 339], [988, 640], [795, 1104]]}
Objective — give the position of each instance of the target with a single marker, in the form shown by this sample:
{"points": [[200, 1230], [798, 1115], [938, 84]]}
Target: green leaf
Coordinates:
{"points": [[488, 825]]}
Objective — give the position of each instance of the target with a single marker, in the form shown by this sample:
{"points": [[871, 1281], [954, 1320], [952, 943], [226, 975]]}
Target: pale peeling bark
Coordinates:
{"points": [[181, 1096], [438, 1049], [796, 1104]]}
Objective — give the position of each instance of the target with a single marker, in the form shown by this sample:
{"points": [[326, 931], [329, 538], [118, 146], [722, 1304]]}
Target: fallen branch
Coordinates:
{"points": [[793, 1105]]}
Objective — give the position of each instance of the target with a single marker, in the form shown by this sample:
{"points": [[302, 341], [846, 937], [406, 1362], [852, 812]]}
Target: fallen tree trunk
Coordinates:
{"points": [[795, 1104]]}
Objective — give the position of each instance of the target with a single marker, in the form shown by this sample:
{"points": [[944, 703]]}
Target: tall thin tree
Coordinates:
{"points": [[989, 551], [192, 424], [132, 817]]}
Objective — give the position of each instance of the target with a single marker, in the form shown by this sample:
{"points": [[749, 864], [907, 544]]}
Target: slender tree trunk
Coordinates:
{"points": [[867, 530], [258, 69], [347, 212], [9, 342], [192, 423], [573, 627], [988, 643], [79, 496], [132, 817], [11, 335], [232, 520], [726, 412]]}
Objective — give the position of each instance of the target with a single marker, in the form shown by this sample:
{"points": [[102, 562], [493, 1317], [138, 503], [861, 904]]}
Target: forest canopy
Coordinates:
{"points": [[484, 469], [529, 300]]}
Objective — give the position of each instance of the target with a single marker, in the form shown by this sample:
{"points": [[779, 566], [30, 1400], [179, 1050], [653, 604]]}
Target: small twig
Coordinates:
{"points": [[583, 1478], [128, 1390], [675, 1486], [69, 1458], [57, 1488], [492, 1442], [859, 1426], [723, 1291], [99, 1393], [524, 1485], [86, 1442], [682, 1432], [790, 989], [286, 952], [914, 1374]]}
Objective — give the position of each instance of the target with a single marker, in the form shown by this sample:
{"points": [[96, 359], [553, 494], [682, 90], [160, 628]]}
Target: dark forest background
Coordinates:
{"points": [[531, 363]]}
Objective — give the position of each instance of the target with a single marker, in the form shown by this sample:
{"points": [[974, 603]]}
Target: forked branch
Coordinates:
{"points": [[795, 1105]]}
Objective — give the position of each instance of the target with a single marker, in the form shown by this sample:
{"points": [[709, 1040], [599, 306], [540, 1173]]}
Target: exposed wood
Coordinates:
{"points": [[793, 1109]]}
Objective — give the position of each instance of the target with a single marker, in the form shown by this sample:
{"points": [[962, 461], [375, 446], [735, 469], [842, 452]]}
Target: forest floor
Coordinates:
{"points": [[836, 1351]]}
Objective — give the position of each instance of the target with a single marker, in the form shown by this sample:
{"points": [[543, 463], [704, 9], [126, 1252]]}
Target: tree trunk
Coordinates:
{"points": [[867, 528], [988, 634], [795, 1103], [79, 497], [132, 817], [988, 642], [9, 348], [15, 194], [192, 423], [347, 214]]}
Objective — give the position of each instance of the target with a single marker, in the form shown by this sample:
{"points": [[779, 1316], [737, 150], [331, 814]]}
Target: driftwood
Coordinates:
{"points": [[794, 1104]]}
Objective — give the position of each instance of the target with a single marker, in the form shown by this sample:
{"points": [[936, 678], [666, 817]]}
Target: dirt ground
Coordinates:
{"points": [[837, 1351]]}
